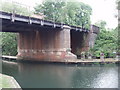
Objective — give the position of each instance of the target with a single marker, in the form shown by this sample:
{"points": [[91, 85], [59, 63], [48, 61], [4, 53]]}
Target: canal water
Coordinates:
{"points": [[37, 75]]}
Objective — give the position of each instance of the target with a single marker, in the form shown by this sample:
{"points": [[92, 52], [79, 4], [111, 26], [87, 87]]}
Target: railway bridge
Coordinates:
{"points": [[43, 40]]}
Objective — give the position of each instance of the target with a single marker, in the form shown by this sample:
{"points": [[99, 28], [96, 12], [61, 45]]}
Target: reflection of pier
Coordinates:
{"points": [[45, 40], [47, 75]]}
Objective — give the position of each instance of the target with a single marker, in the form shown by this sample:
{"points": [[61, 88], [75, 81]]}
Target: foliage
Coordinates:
{"points": [[106, 41], [118, 4], [14, 7], [8, 43], [72, 13]]}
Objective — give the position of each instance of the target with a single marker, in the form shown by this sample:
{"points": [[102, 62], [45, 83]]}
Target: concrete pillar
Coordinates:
{"points": [[93, 35], [90, 38], [82, 41], [45, 45], [77, 41]]}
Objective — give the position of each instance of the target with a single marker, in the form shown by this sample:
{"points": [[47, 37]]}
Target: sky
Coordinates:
{"points": [[101, 10]]}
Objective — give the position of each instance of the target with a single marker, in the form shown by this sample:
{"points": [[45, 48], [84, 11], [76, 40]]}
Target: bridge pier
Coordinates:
{"points": [[78, 42], [82, 42], [45, 45]]}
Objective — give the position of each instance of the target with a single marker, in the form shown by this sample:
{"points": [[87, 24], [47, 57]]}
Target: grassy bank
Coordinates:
{"points": [[8, 82]]}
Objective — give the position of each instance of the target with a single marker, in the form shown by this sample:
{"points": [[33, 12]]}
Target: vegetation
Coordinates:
{"points": [[14, 7], [106, 41], [8, 43], [118, 7], [6, 82], [72, 13], [118, 4]]}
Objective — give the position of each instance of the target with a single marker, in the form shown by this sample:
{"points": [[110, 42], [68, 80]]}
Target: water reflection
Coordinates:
{"points": [[108, 78], [31, 75]]}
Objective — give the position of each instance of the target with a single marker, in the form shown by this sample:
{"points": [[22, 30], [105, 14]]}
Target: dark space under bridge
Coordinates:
{"points": [[43, 40]]}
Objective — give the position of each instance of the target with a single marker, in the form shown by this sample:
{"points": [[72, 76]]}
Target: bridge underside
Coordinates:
{"points": [[79, 42]]}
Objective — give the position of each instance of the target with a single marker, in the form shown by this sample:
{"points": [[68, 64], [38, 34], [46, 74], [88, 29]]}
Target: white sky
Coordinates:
{"points": [[102, 10]]}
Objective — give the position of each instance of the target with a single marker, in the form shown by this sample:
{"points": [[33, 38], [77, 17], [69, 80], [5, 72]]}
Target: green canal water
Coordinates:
{"points": [[36, 75]]}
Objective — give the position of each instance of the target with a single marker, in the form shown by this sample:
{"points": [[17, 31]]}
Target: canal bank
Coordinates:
{"points": [[70, 61], [8, 82]]}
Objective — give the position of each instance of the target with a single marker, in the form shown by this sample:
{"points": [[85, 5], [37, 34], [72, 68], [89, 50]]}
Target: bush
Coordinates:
{"points": [[8, 43]]}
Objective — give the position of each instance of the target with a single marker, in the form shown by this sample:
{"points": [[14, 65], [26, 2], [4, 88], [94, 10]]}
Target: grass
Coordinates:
{"points": [[5, 81]]}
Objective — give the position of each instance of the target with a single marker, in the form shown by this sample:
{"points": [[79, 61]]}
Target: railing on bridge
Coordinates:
{"points": [[21, 9]]}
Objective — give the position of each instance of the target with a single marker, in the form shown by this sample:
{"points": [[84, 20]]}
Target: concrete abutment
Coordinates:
{"points": [[45, 45]]}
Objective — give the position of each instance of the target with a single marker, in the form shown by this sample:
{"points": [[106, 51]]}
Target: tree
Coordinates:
{"points": [[72, 13], [14, 7], [106, 41], [51, 9], [118, 4], [8, 43], [118, 31]]}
